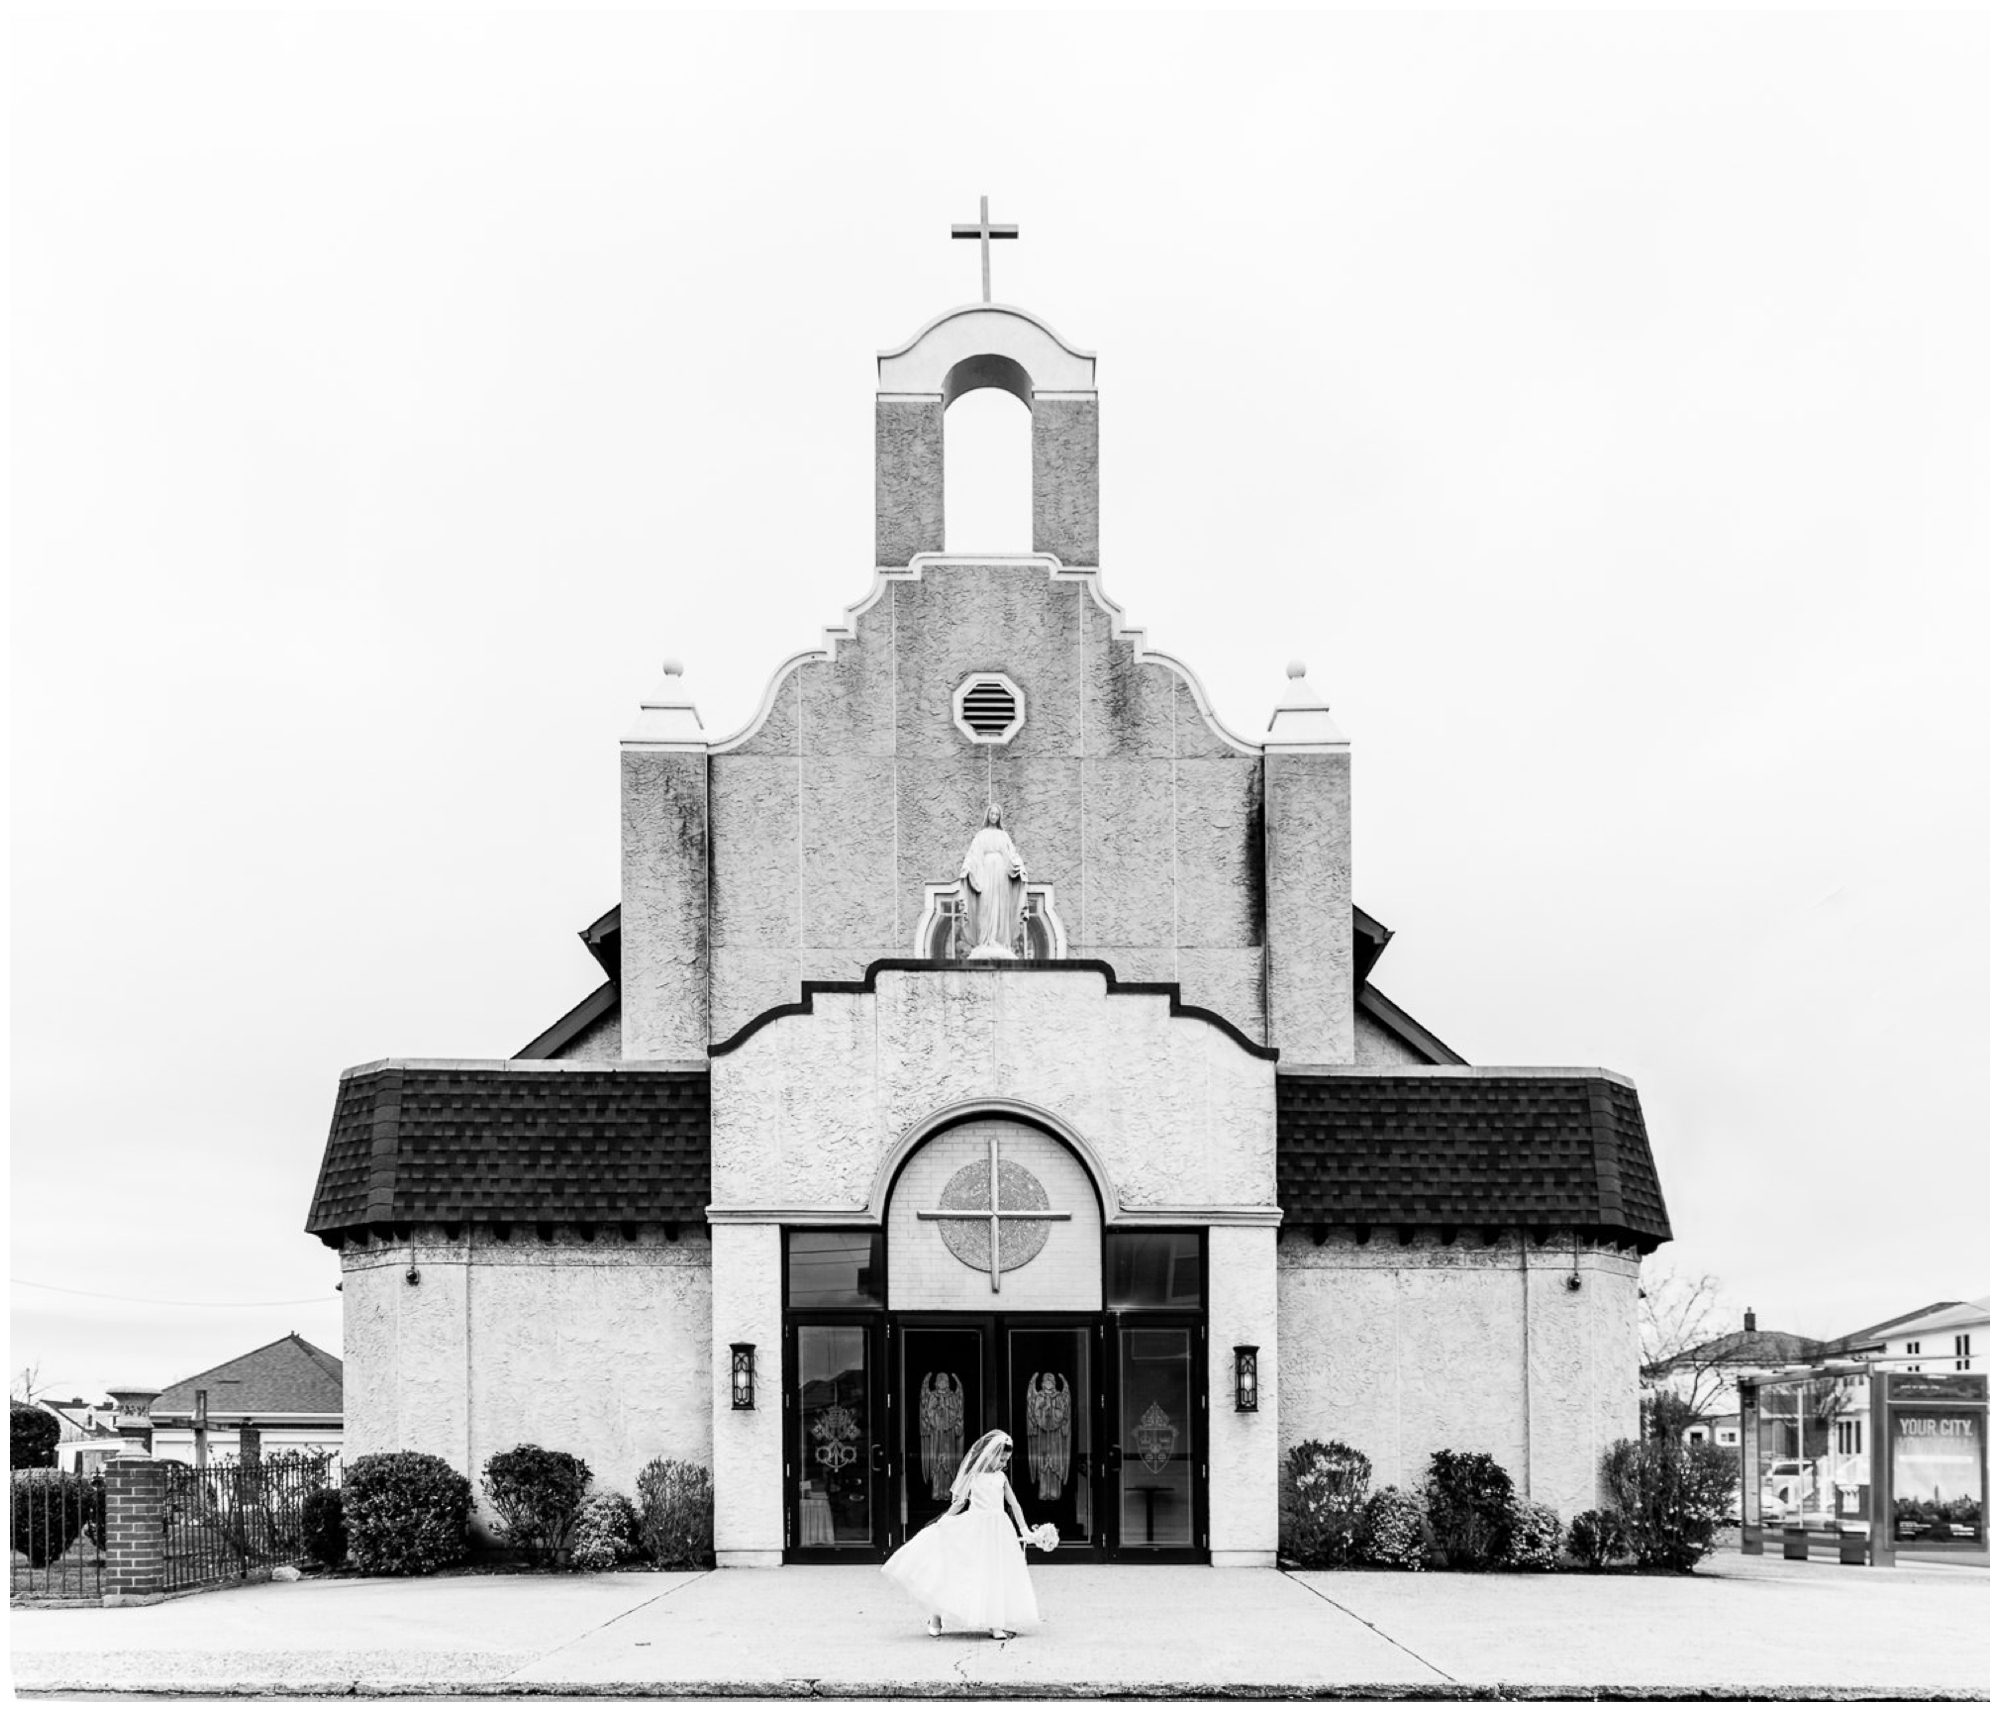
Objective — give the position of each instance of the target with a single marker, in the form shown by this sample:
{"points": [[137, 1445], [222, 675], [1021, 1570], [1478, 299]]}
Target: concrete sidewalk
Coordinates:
{"points": [[1746, 1627]]}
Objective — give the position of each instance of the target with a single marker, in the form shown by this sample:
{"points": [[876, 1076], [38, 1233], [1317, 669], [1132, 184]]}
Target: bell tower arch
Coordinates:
{"points": [[985, 345]]}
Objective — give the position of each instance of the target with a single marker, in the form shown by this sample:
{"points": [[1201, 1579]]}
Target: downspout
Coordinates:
{"points": [[1527, 1385]]}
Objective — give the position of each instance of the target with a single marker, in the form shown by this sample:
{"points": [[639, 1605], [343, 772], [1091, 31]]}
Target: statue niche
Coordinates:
{"points": [[993, 910]]}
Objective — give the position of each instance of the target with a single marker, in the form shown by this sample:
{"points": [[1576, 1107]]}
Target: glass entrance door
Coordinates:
{"points": [[1160, 1452], [831, 1455], [1052, 1414], [943, 1398]]}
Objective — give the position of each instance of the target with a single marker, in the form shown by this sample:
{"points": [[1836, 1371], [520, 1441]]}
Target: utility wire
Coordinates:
{"points": [[162, 1301]]}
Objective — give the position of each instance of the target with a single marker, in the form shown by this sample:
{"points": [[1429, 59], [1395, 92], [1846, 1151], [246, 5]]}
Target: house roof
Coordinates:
{"points": [[1937, 1316], [1747, 1349], [1474, 1148], [508, 1141], [287, 1376]]}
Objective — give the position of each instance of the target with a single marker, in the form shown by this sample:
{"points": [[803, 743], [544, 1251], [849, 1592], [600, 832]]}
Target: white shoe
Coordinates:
{"points": [[1003, 1634], [934, 1628]]}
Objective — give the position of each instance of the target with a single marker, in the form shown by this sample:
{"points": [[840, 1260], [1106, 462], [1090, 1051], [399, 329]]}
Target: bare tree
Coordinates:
{"points": [[27, 1384], [1682, 1322]]}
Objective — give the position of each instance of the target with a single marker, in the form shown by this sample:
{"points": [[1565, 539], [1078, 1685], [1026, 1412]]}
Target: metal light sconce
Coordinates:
{"points": [[1246, 1378], [743, 1376]]}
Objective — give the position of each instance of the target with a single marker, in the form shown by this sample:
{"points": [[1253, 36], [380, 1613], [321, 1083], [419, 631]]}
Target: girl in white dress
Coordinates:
{"points": [[969, 1565]]}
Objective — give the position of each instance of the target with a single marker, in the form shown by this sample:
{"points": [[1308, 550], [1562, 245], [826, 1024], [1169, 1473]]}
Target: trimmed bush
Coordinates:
{"points": [[677, 1514], [1322, 1490], [537, 1493], [324, 1525], [607, 1531], [1534, 1535], [1392, 1530], [1670, 1498], [50, 1509], [405, 1513], [1469, 1499], [1595, 1538], [32, 1436]]}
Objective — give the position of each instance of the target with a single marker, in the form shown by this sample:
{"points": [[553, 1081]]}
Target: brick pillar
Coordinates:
{"points": [[135, 1541], [249, 1443]]}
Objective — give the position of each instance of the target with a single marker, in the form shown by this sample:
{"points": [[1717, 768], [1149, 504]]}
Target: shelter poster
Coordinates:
{"points": [[1939, 1462]]}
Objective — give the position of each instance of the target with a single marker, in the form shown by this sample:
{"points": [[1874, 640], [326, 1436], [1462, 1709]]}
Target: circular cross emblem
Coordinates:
{"points": [[970, 1190]]}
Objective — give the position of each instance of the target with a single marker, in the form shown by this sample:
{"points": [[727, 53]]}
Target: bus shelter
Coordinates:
{"points": [[1864, 1459]]}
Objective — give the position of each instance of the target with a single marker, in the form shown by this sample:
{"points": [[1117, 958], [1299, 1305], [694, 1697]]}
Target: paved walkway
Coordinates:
{"points": [[1746, 1627]]}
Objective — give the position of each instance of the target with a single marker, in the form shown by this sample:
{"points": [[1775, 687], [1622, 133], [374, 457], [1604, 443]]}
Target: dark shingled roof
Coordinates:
{"points": [[442, 1144], [285, 1377], [1483, 1148]]}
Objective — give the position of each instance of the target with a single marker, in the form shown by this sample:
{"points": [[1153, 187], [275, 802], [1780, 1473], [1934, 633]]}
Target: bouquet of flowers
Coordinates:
{"points": [[1043, 1536]]}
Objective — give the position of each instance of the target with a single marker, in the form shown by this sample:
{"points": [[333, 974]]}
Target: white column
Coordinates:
{"points": [[749, 1443], [1242, 1446]]}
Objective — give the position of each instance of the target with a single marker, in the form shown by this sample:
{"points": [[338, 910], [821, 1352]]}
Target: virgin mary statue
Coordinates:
{"points": [[991, 879]]}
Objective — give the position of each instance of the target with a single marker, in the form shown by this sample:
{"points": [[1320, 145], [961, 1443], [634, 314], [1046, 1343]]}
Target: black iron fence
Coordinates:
{"points": [[233, 1516], [56, 1528]]}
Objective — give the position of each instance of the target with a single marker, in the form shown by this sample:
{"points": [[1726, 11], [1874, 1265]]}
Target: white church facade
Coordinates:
{"points": [[896, 1118]]}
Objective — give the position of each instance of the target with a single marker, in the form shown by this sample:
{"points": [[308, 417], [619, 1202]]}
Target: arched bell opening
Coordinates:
{"points": [[989, 502]]}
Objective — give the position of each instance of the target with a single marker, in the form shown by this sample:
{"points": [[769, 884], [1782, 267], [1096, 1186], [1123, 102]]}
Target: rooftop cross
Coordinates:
{"points": [[985, 232]]}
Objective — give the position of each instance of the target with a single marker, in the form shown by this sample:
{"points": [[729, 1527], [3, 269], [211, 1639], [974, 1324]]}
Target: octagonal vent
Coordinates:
{"points": [[988, 707]]}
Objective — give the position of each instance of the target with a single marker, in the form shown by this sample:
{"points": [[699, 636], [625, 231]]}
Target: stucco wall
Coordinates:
{"points": [[599, 1349], [858, 789], [664, 912], [1309, 902], [807, 1109], [1377, 1048], [1400, 1352], [1065, 479], [599, 1043], [1243, 1447], [909, 478]]}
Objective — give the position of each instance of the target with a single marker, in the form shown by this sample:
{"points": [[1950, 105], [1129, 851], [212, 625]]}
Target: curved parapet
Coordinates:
{"points": [[940, 564], [959, 337]]}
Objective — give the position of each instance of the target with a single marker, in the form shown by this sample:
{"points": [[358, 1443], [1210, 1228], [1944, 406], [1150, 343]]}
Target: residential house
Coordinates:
{"points": [[291, 1391]]}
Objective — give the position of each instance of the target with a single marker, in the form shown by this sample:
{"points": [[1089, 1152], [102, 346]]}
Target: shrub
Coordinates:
{"points": [[1595, 1538], [1322, 1490], [405, 1513], [538, 1493], [32, 1435], [607, 1529], [50, 1509], [1534, 1535], [1670, 1498], [1392, 1530], [676, 1514], [324, 1526], [1470, 1498]]}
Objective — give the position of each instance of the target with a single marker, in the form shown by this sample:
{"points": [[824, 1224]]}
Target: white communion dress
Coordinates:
{"points": [[970, 1566]]}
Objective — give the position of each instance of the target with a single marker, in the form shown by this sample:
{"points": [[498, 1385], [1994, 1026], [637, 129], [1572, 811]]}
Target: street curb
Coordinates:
{"points": [[820, 1688]]}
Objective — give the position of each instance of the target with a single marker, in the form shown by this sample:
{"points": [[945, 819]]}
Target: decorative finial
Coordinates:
{"points": [[1297, 669], [672, 667], [985, 232]]}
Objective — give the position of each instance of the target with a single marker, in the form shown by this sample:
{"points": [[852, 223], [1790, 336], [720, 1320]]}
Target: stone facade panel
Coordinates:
{"points": [[1128, 842], [755, 807], [909, 479], [1218, 853], [1065, 478]]}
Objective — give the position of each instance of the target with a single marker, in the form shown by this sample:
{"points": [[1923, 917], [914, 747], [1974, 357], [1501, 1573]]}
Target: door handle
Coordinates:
{"points": [[878, 1457]]}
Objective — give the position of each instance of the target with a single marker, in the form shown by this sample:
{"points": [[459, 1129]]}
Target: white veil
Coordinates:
{"points": [[982, 1458]]}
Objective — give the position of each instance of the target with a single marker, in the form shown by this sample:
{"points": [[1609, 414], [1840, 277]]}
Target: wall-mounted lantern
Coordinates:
{"points": [[743, 1376], [1246, 1378]]}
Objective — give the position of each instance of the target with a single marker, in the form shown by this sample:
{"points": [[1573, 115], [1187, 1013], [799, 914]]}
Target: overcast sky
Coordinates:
{"points": [[1596, 402]]}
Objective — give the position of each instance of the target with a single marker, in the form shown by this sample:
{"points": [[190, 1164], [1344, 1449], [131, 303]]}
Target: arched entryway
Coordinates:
{"points": [[994, 1294]]}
